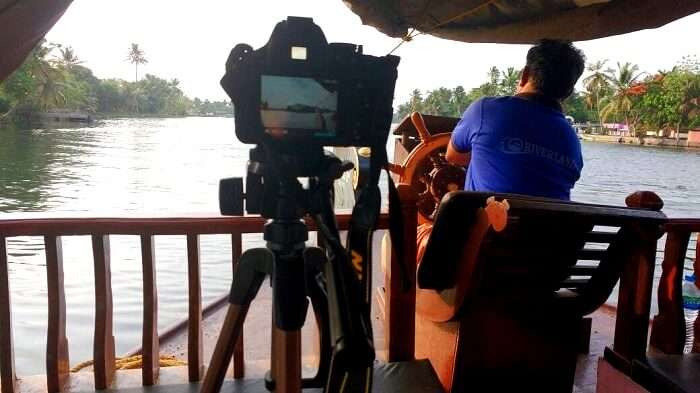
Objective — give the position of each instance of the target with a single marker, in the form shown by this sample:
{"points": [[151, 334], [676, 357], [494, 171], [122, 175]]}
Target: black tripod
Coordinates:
{"points": [[298, 273]]}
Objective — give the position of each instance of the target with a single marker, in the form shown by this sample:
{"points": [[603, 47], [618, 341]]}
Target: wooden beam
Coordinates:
{"points": [[195, 363], [57, 362], [401, 302], [103, 343], [8, 374], [149, 337], [238, 353], [156, 226]]}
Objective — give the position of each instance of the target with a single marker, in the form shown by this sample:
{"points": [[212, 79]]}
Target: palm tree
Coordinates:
{"points": [[597, 85], [50, 87], [136, 56], [50, 80], [68, 57], [509, 81], [622, 82], [416, 101]]}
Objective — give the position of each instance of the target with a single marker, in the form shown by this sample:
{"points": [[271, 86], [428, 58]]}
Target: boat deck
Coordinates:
{"points": [[257, 346], [257, 351]]}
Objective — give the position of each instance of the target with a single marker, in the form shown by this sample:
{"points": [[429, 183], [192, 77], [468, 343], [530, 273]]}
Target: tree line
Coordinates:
{"points": [[620, 94], [53, 78]]}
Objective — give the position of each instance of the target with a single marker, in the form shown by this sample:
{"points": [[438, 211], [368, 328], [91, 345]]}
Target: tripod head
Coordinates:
{"points": [[273, 185]]}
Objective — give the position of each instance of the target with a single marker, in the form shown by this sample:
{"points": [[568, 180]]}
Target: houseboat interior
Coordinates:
{"points": [[509, 292]]}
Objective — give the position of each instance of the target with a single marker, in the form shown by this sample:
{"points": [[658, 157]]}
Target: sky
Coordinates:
{"points": [[190, 40]]}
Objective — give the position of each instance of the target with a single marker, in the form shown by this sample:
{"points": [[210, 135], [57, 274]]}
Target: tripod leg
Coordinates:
{"points": [[288, 365], [230, 331], [249, 276], [314, 259]]}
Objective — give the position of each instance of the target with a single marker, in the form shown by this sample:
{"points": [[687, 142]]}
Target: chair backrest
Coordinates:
{"points": [[567, 251]]}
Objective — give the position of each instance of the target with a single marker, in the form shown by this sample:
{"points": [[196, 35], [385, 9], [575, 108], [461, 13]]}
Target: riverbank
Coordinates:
{"points": [[650, 141]]}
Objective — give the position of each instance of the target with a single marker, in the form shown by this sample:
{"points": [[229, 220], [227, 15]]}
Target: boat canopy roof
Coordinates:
{"points": [[518, 22], [24, 22]]}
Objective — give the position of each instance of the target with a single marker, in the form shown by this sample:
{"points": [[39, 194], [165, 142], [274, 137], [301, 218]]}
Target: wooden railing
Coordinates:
{"points": [[668, 327], [57, 354]]}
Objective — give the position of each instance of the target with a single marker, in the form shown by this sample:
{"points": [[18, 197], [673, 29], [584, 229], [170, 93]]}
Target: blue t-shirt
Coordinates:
{"points": [[520, 146]]}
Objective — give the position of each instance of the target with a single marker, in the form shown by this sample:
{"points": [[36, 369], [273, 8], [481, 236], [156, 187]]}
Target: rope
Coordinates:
{"points": [[412, 34], [132, 362]]}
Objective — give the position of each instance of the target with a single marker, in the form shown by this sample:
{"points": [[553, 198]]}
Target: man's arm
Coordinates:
{"points": [[456, 157]]}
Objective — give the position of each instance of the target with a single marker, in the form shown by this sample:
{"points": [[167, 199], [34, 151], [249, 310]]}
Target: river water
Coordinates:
{"points": [[165, 167]]}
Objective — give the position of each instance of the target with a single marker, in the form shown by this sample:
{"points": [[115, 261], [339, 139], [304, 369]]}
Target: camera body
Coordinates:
{"points": [[298, 89]]}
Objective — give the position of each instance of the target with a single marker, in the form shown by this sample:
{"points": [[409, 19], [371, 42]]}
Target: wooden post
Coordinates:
{"points": [[401, 303], [7, 352], [149, 337], [103, 343], [668, 328], [634, 302], [195, 356], [57, 362], [238, 354]]}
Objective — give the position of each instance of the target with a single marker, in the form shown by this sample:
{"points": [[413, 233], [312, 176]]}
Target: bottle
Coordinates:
{"points": [[691, 305]]}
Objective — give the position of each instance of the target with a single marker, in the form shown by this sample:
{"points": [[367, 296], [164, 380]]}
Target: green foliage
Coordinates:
{"points": [[575, 106], [207, 107], [667, 99], [453, 102], [45, 82], [672, 99]]}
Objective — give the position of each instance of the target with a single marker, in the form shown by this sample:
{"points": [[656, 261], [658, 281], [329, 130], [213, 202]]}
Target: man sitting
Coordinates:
{"points": [[522, 144]]}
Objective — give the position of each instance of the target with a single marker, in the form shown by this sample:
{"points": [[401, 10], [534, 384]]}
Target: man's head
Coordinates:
{"points": [[552, 69]]}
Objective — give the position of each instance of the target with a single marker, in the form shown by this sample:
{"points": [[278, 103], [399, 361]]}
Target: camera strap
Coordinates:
{"points": [[365, 216]]}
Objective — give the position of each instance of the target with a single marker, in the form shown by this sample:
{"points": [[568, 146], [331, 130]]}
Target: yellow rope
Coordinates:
{"points": [[413, 34], [133, 362]]}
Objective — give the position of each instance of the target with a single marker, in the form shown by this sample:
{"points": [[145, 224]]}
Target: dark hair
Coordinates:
{"points": [[555, 66]]}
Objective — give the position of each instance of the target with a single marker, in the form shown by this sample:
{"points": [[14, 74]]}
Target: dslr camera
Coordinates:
{"points": [[300, 90]]}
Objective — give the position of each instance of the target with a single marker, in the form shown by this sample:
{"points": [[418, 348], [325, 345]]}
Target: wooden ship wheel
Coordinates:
{"points": [[419, 160]]}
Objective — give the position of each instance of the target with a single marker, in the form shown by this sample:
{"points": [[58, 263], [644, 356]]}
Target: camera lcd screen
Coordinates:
{"points": [[293, 103]]}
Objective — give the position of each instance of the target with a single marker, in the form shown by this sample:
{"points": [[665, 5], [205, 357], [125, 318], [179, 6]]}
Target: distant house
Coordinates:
{"points": [[616, 129]]}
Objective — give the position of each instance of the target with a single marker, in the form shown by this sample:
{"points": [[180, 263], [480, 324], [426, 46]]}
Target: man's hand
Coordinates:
{"points": [[457, 158]]}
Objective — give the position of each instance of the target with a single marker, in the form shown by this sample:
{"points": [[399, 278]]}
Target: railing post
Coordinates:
{"points": [[400, 303], [668, 328], [195, 363], [238, 354], [57, 362], [7, 353], [636, 279], [103, 343], [149, 344]]}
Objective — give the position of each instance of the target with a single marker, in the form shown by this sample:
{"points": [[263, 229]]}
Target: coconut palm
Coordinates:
{"points": [[68, 57], [597, 86], [509, 81], [50, 81], [50, 88], [621, 80], [136, 56]]}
